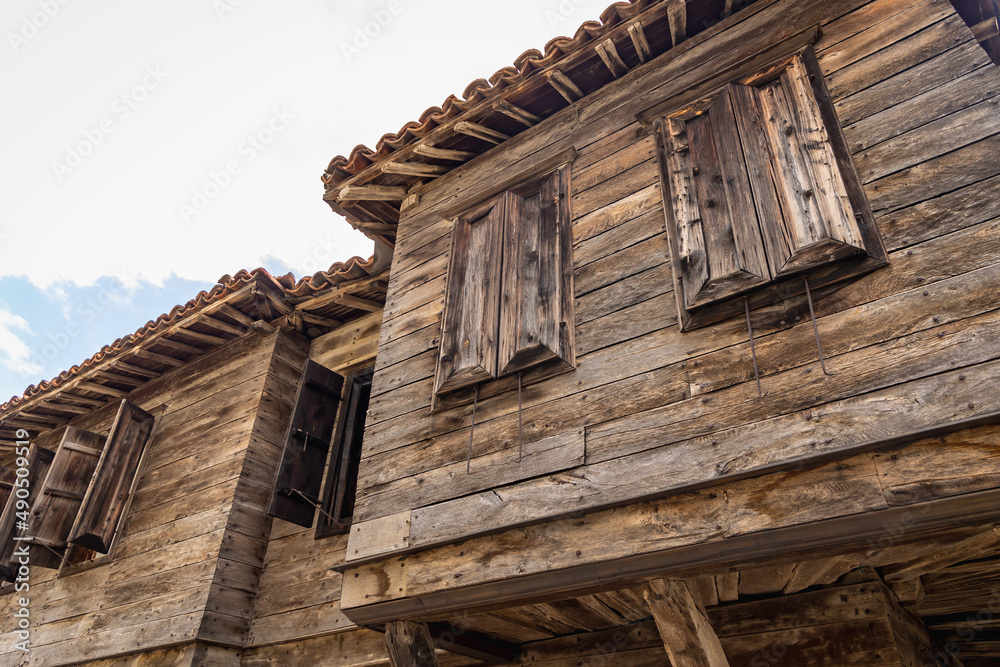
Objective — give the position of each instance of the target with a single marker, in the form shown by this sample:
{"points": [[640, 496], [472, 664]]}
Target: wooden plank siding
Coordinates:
{"points": [[195, 528], [683, 407]]}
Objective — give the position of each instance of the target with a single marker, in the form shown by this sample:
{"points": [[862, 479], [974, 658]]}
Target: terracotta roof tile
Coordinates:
{"points": [[340, 272], [524, 66]]}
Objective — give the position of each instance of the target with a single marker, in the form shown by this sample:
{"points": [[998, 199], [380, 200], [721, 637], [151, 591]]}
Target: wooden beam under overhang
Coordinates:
{"points": [[677, 16], [685, 630], [609, 54], [100, 388], [481, 132], [369, 193], [638, 37], [417, 169], [967, 549], [358, 303], [427, 150], [564, 85], [987, 29], [330, 295], [523, 116]]}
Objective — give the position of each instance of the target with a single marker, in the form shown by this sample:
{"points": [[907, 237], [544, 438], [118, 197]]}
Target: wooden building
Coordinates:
{"points": [[687, 353]]}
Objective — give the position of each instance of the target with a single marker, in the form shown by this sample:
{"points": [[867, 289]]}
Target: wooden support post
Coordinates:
{"points": [[409, 644], [677, 16], [687, 636]]}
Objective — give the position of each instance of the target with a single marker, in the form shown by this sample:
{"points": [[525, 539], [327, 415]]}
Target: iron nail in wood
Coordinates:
{"points": [[753, 349], [812, 314], [472, 432]]}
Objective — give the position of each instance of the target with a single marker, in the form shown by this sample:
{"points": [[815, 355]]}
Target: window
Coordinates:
{"points": [[325, 433], [509, 298], [79, 494], [759, 187]]}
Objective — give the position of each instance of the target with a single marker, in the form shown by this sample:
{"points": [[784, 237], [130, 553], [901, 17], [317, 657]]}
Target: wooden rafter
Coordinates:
{"points": [[83, 400], [178, 346], [564, 85], [418, 169], [202, 337], [428, 150], [510, 109], [159, 358], [135, 370], [973, 547], [609, 54], [121, 379], [100, 389], [358, 303], [638, 37], [63, 407], [370, 193], [677, 16], [326, 297], [234, 314], [309, 318], [481, 132], [221, 325], [987, 29]]}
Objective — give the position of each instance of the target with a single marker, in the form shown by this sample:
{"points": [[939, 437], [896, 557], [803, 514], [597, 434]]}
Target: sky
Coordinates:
{"points": [[149, 148]]}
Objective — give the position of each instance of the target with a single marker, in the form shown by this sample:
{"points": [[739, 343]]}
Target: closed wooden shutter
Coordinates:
{"points": [[472, 302], [818, 225], [307, 444], [536, 314], [57, 502], [114, 479], [714, 233], [39, 461]]}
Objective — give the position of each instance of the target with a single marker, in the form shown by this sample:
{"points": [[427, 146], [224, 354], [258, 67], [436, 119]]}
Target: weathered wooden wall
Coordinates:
{"points": [[186, 564], [918, 101]]}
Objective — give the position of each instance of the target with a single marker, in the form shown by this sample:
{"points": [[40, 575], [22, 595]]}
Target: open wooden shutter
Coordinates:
{"points": [[472, 302], [114, 479], [7, 477], [536, 314], [39, 461], [789, 147], [714, 236], [58, 501], [307, 444]]}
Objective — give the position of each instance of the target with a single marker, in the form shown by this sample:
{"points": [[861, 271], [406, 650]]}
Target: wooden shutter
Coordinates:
{"points": [[58, 501], [342, 477], [714, 234], [806, 215], [307, 444], [7, 477], [536, 314], [472, 302], [114, 479], [39, 461]]}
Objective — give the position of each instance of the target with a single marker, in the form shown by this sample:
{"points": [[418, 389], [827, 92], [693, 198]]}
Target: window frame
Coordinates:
{"points": [[756, 71], [344, 459], [548, 361]]}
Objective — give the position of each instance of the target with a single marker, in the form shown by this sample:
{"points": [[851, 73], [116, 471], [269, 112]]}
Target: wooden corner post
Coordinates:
{"points": [[409, 644]]}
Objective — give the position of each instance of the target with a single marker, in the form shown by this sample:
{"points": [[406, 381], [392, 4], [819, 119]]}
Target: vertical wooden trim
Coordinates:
{"points": [[687, 635], [677, 17], [409, 644]]}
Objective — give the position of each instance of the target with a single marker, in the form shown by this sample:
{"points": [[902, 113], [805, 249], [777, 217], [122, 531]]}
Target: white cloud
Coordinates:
{"points": [[14, 352]]}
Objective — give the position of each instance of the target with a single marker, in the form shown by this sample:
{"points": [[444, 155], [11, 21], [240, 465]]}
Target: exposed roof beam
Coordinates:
{"points": [[480, 132], [427, 150], [178, 346], [215, 323], [100, 389], [414, 169], [201, 337], [510, 109], [988, 29], [234, 314], [371, 193], [137, 370], [358, 303], [63, 407], [159, 358], [973, 547], [609, 54], [85, 400], [121, 379], [331, 295], [309, 318], [677, 16], [564, 85], [638, 37]]}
